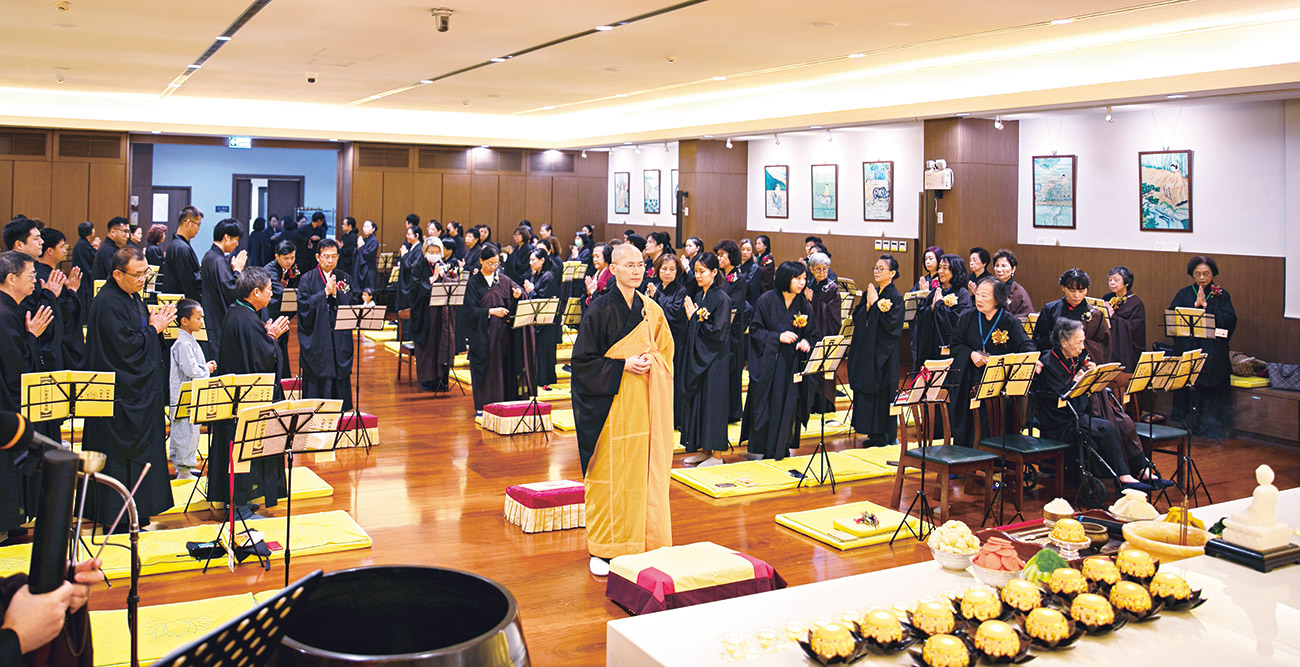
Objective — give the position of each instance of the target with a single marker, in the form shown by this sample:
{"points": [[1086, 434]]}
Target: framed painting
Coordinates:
{"points": [[1165, 191], [825, 191], [878, 191], [651, 179], [776, 191], [622, 192], [1054, 178], [672, 188]]}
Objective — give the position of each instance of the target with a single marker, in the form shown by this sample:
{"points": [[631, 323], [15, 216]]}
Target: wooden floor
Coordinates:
{"points": [[432, 494]]}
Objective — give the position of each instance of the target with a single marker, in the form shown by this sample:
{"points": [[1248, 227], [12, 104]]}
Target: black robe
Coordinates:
{"points": [[66, 650], [1213, 392], [933, 326], [1096, 332], [777, 407], [495, 362], [62, 345], [1128, 330], [83, 257], [672, 299], [306, 247], [545, 286], [280, 281], [402, 291], [218, 293], [1059, 423], [324, 355], [348, 254], [704, 373], [249, 350], [975, 332], [766, 273], [119, 339], [748, 272], [736, 289], [516, 264], [597, 379], [366, 264], [259, 247], [873, 365], [826, 312], [181, 270], [432, 327], [103, 267], [20, 354]]}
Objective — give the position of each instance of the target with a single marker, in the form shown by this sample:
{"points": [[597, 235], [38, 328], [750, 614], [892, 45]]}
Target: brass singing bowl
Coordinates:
{"points": [[92, 462]]}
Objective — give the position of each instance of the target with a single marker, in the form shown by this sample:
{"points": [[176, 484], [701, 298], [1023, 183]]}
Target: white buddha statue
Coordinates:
{"points": [[1257, 527]]}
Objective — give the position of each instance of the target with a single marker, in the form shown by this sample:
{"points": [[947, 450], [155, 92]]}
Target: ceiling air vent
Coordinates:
{"points": [[450, 159], [25, 144], [90, 146], [377, 157], [551, 162], [498, 160]]}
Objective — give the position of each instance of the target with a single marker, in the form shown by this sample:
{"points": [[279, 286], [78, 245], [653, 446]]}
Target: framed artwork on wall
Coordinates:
{"points": [[878, 191], [622, 192], [651, 179], [1165, 191], [825, 191], [1054, 178], [776, 191], [672, 188]]}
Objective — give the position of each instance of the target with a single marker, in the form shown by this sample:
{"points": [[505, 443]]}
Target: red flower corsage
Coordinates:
{"points": [[767, 260], [934, 283], [650, 272], [731, 277], [1215, 290], [342, 286]]}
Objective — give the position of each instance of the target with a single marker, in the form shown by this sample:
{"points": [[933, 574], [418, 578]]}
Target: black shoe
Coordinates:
{"points": [[427, 386], [567, 368], [1138, 486]]}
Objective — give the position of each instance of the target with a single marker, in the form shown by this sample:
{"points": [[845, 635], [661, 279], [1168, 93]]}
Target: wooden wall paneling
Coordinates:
{"points": [[140, 175], [427, 196], [456, 200], [483, 205], [564, 202], [32, 189], [108, 196], [6, 189], [595, 165], [69, 193], [397, 205], [593, 201], [511, 201], [537, 198], [367, 197]]}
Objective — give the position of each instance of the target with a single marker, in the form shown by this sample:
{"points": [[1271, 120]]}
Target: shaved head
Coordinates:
{"points": [[626, 253], [628, 267]]}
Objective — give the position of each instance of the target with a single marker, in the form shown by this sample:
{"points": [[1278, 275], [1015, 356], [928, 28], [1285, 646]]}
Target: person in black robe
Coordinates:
{"points": [[218, 275], [259, 248], [731, 281], [936, 316], [83, 257], [181, 266], [50, 629], [766, 275], [873, 355], [1128, 320], [929, 280], [1074, 305], [977, 267], [119, 232], [366, 262], [705, 373], [824, 295], [325, 355], [690, 250], [1058, 369], [19, 333], [432, 327], [124, 338], [582, 245], [348, 247], [542, 283], [22, 235], [988, 330], [412, 252], [65, 346], [308, 238], [250, 347], [495, 361], [1207, 410], [671, 297], [153, 251], [781, 334], [748, 268], [284, 275], [516, 263], [1004, 269]]}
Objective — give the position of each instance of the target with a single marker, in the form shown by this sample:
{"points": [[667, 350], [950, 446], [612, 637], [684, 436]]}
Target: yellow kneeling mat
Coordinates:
{"points": [[826, 524]]}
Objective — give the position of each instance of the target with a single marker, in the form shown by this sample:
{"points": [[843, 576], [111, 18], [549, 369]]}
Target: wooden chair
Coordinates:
{"points": [[405, 349], [1152, 435], [945, 460], [1018, 450]]}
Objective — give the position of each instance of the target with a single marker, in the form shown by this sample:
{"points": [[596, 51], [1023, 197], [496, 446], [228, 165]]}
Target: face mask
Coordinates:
{"points": [[432, 259]]}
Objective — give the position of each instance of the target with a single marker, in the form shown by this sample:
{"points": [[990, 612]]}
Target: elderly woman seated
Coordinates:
{"points": [[1058, 370]]}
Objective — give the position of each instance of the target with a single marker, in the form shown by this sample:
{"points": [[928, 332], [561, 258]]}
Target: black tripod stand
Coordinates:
{"points": [[927, 388], [824, 358], [358, 318]]}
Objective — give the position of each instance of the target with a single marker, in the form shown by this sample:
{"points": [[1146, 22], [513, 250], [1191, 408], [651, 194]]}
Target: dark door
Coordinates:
{"points": [[171, 199], [284, 196]]}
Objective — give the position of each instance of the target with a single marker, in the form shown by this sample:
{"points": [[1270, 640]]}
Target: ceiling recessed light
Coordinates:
{"points": [[604, 28], [708, 136], [548, 107], [621, 95], [1175, 97], [426, 81], [719, 78], [484, 146], [824, 24], [223, 38], [334, 140], [1062, 21], [194, 66], [857, 55], [498, 60], [155, 132], [627, 143], [814, 127], [961, 115]]}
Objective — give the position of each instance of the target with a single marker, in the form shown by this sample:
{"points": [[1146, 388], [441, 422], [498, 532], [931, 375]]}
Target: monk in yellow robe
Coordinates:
{"points": [[623, 405]]}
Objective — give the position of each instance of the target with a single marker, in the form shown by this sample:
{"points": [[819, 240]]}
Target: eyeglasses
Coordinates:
{"points": [[637, 265], [137, 275], [330, 257], [880, 269]]}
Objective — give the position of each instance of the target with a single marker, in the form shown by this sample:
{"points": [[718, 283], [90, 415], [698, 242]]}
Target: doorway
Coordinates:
{"points": [[168, 200], [260, 195]]}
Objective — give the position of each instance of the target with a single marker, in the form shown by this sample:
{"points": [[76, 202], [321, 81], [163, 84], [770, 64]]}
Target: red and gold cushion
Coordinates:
{"points": [[505, 418], [673, 577], [547, 506]]}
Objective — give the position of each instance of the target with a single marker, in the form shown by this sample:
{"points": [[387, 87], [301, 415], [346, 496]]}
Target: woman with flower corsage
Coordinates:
{"points": [[1074, 305], [987, 331], [1212, 389], [824, 294], [781, 334], [704, 373], [873, 355], [542, 283], [671, 297], [733, 282], [495, 355], [937, 315], [1128, 320], [929, 280], [1004, 268]]}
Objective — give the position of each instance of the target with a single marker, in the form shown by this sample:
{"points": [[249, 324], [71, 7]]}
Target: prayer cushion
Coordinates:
{"points": [[513, 417], [290, 384], [547, 506], [673, 577]]}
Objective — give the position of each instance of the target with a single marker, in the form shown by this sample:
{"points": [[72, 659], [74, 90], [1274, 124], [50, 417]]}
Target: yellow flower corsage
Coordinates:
{"points": [[950, 300], [885, 305], [800, 321], [1000, 337], [702, 313], [1117, 301]]}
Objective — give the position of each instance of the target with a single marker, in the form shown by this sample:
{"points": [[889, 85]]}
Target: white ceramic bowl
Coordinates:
{"points": [[994, 578], [951, 561]]}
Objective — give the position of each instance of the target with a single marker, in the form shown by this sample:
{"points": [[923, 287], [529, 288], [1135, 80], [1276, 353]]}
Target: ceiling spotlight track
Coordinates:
{"points": [[217, 43]]}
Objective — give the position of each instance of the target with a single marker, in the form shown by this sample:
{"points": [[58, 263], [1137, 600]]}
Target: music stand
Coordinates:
{"points": [[450, 294], [289, 300], [283, 428], [357, 318], [249, 640], [151, 279], [573, 271], [59, 395], [1187, 371], [219, 398], [923, 388], [1005, 376], [1091, 382], [911, 302], [825, 357], [1192, 323], [173, 327], [530, 312]]}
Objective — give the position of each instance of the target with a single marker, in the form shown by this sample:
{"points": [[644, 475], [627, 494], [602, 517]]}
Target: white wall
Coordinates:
{"points": [[1238, 175], [652, 156], [904, 144], [1293, 208]]}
